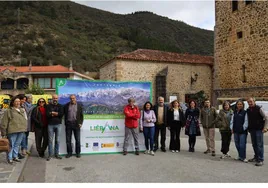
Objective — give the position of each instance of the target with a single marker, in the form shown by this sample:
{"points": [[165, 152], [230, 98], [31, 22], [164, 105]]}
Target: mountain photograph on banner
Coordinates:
{"points": [[103, 97]]}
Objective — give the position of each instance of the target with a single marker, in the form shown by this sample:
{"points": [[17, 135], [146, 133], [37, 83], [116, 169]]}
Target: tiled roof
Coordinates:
{"points": [[24, 69], [161, 56]]}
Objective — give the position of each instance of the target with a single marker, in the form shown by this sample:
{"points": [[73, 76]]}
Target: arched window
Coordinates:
{"points": [[7, 84], [22, 83]]}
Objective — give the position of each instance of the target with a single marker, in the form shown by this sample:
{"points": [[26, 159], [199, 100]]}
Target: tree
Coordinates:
{"points": [[34, 89]]}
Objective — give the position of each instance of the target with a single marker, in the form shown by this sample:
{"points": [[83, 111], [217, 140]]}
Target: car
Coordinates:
{"points": [[263, 104]]}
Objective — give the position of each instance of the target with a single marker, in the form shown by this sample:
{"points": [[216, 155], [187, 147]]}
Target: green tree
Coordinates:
{"points": [[34, 89]]}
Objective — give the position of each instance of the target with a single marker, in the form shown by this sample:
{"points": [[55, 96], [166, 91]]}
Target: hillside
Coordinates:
{"points": [[57, 32]]}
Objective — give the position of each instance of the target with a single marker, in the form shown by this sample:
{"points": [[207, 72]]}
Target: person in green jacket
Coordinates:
{"points": [[208, 116], [14, 126], [223, 123]]}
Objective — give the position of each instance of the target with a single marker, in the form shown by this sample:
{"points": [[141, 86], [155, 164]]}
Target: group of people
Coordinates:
{"points": [[154, 120], [45, 120]]}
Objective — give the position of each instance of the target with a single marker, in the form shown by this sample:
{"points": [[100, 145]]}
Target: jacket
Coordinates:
{"points": [[239, 122], [170, 117], [192, 122], [131, 116], [79, 113], [155, 108], [55, 120], [145, 116], [222, 121], [37, 118], [208, 118], [13, 122], [256, 118]]}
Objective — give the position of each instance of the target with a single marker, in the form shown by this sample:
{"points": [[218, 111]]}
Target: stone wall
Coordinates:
{"points": [[108, 71], [232, 52], [178, 77]]}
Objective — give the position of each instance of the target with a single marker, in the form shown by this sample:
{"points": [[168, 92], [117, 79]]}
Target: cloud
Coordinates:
{"points": [[196, 13]]}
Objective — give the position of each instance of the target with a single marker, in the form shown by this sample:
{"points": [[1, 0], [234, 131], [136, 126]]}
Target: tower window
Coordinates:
{"points": [[244, 74], [234, 5], [248, 2], [239, 34]]}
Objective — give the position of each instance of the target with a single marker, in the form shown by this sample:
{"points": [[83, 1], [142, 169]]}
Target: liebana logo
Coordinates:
{"points": [[102, 129]]}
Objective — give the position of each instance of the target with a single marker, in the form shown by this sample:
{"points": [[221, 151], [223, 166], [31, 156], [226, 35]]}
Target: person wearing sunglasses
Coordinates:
{"points": [[39, 120]]}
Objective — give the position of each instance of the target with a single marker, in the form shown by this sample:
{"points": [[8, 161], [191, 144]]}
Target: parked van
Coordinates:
{"points": [[263, 104], [47, 97]]}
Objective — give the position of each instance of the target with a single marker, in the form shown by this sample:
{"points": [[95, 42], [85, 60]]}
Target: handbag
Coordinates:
{"points": [[4, 145]]}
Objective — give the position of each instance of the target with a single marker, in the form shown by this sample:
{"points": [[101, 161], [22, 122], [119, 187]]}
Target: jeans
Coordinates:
{"points": [[135, 134], [72, 127], [148, 133], [240, 144], [225, 141], [51, 130], [14, 142], [24, 143], [257, 144], [162, 129]]}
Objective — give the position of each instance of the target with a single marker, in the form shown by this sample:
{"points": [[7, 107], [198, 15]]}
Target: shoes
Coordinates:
{"points": [[146, 152], [68, 155], [193, 150], [207, 151], [177, 151], [16, 160], [252, 160], [213, 154], [227, 155], [137, 152], [23, 152], [163, 150], [58, 157], [245, 161], [124, 152], [238, 159], [260, 163], [10, 161], [21, 156], [156, 150], [173, 151], [223, 156], [42, 155], [78, 156], [152, 153], [48, 158]]}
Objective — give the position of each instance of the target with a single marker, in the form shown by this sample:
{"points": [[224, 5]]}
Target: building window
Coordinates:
{"points": [[234, 5], [7, 84], [248, 2], [53, 82], [22, 83], [244, 74], [161, 86], [239, 34], [44, 82]]}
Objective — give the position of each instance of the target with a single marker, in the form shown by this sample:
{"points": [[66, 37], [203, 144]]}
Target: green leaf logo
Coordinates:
{"points": [[61, 82]]}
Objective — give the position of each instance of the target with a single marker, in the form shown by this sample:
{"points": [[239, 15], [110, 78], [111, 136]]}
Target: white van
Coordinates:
{"points": [[263, 104]]}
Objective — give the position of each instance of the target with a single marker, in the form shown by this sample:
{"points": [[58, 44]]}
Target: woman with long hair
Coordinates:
{"points": [[40, 123], [223, 121], [238, 126], [192, 128], [175, 121], [14, 126], [147, 121]]}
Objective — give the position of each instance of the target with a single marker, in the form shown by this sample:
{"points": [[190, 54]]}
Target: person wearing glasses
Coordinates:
{"points": [[39, 120], [54, 113]]}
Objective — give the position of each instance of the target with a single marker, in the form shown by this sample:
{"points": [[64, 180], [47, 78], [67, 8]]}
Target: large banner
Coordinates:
{"points": [[103, 102]]}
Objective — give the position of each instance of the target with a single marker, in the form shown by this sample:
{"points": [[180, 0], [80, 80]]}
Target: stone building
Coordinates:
{"points": [[14, 80], [241, 49], [171, 74]]}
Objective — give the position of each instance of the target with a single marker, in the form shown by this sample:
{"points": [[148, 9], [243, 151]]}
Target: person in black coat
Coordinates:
{"points": [[74, 118], [175, 121], [192, 128]]}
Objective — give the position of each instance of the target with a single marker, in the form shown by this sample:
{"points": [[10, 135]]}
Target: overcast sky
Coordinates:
{"points": [[196, 13]]}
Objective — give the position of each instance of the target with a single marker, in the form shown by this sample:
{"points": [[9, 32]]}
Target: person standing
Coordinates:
{"points": [[192, 128], [239, 125], [39, 120], [74, 118], [223, 123], [257, 125], [14, 126], [208, 117], [160, 110], [54, 113], [147, 121], [132, 114], [175, 121]]}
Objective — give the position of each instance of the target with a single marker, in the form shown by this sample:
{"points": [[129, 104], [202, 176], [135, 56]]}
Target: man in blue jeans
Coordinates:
{"points": [[257, 125], [54, 116]]}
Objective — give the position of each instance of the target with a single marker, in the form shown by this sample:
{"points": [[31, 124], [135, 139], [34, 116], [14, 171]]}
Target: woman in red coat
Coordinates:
{"points": [[132, 114]]}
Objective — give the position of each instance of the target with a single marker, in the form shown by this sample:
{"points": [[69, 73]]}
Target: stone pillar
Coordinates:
{"points": [[15, 84]]}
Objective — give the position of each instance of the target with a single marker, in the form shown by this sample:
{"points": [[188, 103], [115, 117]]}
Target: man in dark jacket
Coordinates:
{"points": [[54, 113], [160, 110], [74, 118], [257, 125]]}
